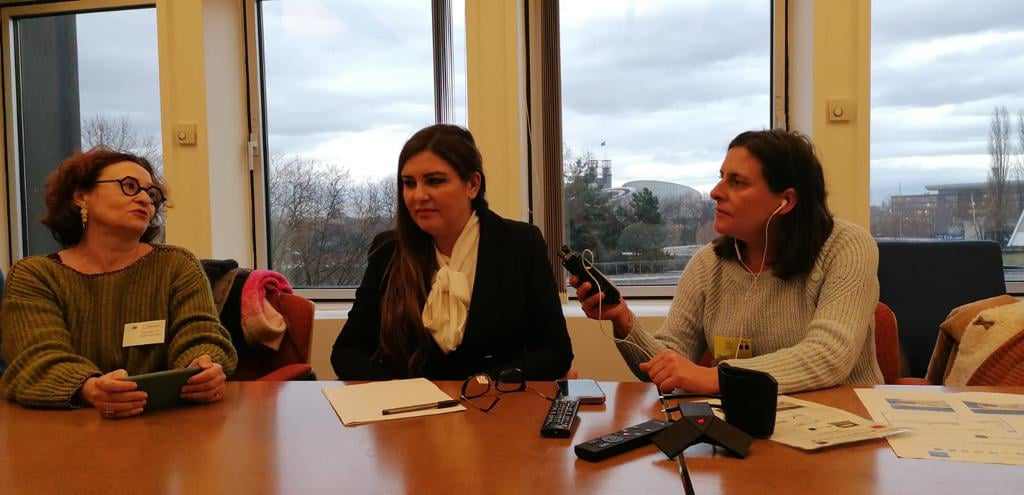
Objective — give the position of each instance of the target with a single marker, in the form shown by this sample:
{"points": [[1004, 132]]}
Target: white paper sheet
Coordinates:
{"points": [[966, 426], [811, 426], [363, 403]]}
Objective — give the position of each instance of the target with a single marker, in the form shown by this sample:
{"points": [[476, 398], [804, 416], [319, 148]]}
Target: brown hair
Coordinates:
{"points": [[788, 161], [79, 172], [405, 344]]}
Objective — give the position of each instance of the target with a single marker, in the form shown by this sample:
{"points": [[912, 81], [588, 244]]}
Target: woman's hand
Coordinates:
{"points": [[590, 300], [113, 396], [207, 385], [669, 370]]}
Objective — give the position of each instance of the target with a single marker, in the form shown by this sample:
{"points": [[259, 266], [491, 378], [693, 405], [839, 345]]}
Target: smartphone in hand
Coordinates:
{"points": [[164, 387]]}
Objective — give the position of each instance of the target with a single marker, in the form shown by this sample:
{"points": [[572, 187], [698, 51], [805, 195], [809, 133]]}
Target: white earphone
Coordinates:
{"points": [[764, 258]]}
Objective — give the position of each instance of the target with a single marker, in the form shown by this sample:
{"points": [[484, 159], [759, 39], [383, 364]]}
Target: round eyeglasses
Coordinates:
{"points": [[130, 187]]}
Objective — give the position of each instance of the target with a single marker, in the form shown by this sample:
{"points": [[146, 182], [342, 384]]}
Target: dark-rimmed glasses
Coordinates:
{"points": [[130, 187], [506, 381]]}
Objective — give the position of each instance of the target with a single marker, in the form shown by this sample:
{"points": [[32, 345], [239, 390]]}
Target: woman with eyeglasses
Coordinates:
{"points": [[454, 289], [111, 303]]}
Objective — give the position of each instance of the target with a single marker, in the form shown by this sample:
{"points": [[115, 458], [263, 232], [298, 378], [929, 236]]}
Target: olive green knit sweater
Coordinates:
{"points": [[59, 327]]}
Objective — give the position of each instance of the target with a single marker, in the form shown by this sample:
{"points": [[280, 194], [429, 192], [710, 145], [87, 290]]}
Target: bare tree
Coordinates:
{"points": [[322, 222], [999, 152], [1020, 138], [120, 134], [1018, 165]]}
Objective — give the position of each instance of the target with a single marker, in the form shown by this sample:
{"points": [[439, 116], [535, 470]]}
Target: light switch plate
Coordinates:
{"points": [[185, 134], [841, 110]]}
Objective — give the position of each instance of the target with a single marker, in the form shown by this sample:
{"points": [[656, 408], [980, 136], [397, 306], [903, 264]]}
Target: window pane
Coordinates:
{"points": [[346, 83], [652, 93], [77, 88], [947, 123]]}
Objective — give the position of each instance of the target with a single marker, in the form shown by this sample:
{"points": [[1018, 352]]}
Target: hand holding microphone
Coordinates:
{"points": [[599, 299]]}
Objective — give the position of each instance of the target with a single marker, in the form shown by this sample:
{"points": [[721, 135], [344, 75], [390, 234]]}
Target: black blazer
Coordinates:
{"points": [[515, 317]]}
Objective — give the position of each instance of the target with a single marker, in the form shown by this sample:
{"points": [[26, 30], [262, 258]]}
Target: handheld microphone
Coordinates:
{"points": [[585, 271]]}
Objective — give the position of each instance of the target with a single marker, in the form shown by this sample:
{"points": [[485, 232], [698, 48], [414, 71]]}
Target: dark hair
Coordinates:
{"points": [[788, 161], [405, 344], [79, 172]]}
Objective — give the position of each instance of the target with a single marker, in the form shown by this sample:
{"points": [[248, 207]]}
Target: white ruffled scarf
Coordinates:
{"points": [[447, 307]]}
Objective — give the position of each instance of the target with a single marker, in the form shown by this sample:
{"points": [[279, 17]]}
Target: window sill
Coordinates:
{"points": [[572, 310], [596, 354]]}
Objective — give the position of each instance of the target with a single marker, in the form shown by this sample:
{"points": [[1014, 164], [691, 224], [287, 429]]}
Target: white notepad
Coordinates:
{"points": [[359, 404]]}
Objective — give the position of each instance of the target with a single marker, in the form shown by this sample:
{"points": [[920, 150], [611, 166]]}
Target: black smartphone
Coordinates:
{"points": [[164, 387], [585, 391], [574, 264]]}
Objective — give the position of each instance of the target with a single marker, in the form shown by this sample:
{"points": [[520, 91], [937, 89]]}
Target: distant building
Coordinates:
{"points": [[949, 211], [664, 191], [604, 179]]}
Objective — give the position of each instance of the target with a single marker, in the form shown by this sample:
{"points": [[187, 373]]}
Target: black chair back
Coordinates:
{"points": [[923, 280]]}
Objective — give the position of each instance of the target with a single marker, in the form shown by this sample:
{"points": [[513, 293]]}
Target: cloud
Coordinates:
{"points": [[371, 71], [899, 21], [366, 154], [653, 56], [310, 20], [933, 74], [119, 78], [665, 83]]}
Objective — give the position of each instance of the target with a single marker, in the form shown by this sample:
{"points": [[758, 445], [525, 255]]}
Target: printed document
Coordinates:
{"points": [[966, 426], [811, 426]]}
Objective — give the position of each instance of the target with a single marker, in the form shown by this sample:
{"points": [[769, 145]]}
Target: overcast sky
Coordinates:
{"points": [[666, 84], [117, 70]]}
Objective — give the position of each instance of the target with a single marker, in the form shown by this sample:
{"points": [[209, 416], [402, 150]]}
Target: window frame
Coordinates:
{"points": [[12, 216], [545, 166], [258, 139]]}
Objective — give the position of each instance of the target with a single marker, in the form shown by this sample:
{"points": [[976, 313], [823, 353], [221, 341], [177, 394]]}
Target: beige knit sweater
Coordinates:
{"points": [[60, 327], [808, 332]]}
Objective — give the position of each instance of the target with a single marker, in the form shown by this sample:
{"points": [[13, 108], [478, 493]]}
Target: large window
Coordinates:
{"points": [[947, 123], [77, 84], [345, 83], [652, 93]]}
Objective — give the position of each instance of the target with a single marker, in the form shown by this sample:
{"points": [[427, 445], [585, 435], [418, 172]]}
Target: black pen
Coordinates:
{"points": [[687, 395], [419, 407]]}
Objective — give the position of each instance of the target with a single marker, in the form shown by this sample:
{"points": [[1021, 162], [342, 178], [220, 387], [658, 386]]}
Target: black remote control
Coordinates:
{"points": [[620, 441], [573, 262], [561, 416]]}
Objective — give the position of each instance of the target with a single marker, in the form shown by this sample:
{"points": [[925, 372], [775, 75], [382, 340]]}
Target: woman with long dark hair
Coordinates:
{"points": [[786, 289], [454, 289]]}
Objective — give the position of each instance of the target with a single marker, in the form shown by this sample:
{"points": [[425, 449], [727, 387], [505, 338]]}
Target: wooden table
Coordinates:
{"points": [[285, 438]]}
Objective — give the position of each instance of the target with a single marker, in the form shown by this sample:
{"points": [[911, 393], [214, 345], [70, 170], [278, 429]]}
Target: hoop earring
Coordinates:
{"points": [[85, 215]]}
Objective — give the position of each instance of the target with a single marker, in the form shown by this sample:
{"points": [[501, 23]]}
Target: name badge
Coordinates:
{"points": [[732, 348], [144, 333]]}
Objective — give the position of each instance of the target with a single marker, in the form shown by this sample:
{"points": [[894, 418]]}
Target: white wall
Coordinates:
{"points": [[596, 355]]}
